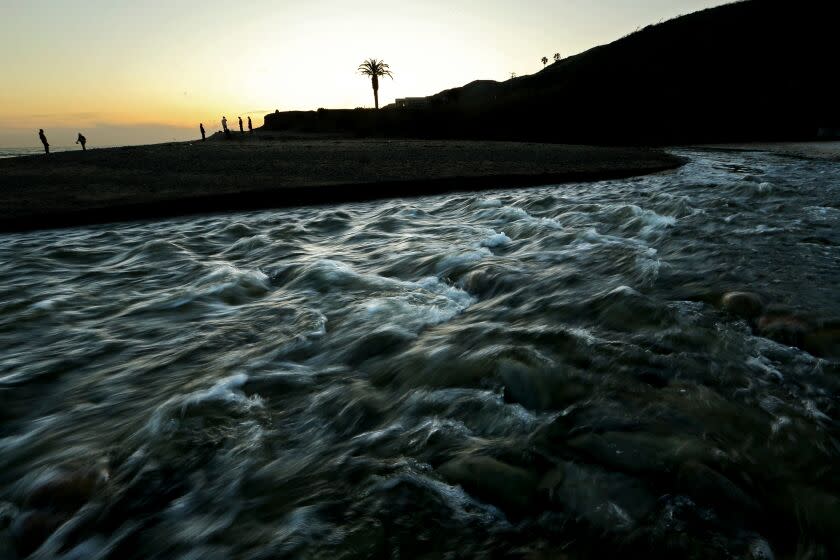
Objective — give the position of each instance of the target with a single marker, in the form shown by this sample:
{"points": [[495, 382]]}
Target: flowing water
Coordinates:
{"points": [[530, 373]]}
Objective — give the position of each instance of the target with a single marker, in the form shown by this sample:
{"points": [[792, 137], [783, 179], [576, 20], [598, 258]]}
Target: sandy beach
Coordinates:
{"points": [[146, 182]]}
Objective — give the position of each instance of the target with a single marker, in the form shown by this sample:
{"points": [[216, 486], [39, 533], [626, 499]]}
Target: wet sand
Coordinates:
{"points": [[146, 182], [826, 150]]}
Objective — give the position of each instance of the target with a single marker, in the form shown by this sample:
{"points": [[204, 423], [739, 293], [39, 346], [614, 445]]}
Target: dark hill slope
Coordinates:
{"points": [[752, 70], [755, 69]]}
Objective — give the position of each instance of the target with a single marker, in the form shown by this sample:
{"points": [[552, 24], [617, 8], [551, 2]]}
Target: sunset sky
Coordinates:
{"points": [[133, 72]]}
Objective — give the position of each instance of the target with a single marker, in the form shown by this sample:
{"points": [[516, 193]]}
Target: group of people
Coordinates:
{"points": [[225, 128], [80, 140]]}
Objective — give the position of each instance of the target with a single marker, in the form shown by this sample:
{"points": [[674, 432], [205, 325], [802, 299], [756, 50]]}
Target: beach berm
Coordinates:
{"points": [[147, 182]]}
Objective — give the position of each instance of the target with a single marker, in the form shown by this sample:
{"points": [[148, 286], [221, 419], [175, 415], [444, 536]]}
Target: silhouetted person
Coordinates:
{"points": [[82, 140], [250, 126], [43, 138], [203, 135], [240, 125], [224, 125]]}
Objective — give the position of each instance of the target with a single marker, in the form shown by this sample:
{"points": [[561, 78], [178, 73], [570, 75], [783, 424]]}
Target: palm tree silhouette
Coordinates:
{"points": [[375, 68], [556, 56], [544, 60]]}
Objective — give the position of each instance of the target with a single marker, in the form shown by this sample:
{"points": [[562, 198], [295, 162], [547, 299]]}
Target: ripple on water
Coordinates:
{"points": [[536, 372]]}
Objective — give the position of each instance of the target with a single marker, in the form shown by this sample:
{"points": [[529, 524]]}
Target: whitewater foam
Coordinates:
{"points": [[496, 240]]}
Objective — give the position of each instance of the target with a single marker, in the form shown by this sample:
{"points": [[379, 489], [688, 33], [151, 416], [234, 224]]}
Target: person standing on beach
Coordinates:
{"points": [[43, 138], [203, 135], [242, 130], [224, 125], [250, 126], [82, 140]]}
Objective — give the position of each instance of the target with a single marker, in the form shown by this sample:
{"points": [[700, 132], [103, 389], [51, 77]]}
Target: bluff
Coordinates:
{"points": [[751, 70]]}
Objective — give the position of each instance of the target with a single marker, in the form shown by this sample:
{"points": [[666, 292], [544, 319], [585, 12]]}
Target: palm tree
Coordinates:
{"points": [[556, 56], [544, 60], [375, 68]]}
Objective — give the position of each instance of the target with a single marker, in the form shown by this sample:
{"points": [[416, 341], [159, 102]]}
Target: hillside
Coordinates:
{"points": [[749, 70], [752, 70]]}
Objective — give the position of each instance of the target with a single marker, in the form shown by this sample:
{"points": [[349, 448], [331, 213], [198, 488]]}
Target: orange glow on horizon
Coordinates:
{"points": [[175, 64]]}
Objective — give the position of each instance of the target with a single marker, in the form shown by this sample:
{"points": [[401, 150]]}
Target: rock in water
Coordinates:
{"points": [[609, 502], [50, 503], [640, 453], [745, 305], [706, 485], [66, 492], [511, 488], [784, 329], [539, 389]]}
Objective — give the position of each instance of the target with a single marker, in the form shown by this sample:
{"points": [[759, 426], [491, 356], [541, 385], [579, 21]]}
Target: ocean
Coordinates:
{"points": [[18, 152]]}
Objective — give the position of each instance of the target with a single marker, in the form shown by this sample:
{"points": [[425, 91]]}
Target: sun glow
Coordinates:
{"points": [[174, 64]]}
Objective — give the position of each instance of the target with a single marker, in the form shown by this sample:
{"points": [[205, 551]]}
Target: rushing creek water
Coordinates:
{"points": [[531, 373]]}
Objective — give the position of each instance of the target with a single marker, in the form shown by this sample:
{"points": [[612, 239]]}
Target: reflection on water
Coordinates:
{"points": [[535, 373], [18, 152]]}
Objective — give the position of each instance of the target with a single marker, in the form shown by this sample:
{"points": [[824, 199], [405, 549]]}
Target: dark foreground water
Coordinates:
{"points": [[534, 373]]}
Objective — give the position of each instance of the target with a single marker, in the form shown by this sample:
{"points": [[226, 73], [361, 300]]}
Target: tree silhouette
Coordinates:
{"points": [[556, 56], [375, 68], [512, 75], [544, 60]]}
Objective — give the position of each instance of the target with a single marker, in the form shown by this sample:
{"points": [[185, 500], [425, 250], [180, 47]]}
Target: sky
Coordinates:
{"points": [[129, 72]]}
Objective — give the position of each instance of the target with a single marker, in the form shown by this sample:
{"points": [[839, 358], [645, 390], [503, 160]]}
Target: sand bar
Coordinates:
{"points": [[147, 182]]}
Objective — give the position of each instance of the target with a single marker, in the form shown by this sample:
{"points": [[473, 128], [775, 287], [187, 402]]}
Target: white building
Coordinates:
{"points": [[411, 102]]}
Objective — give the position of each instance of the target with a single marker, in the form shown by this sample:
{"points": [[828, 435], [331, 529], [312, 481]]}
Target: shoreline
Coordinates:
{"points": [[826, 150], [158, 181]]}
